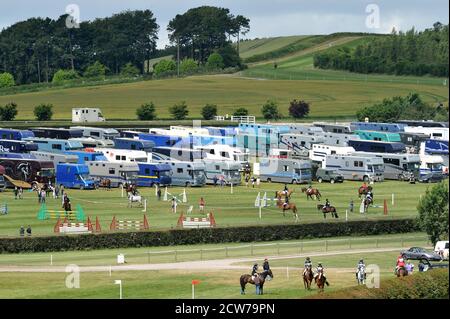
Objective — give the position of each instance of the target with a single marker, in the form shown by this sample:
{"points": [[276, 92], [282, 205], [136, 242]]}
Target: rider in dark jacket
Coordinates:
{"points": [[327, 204], [266, 266], [255, 270]]}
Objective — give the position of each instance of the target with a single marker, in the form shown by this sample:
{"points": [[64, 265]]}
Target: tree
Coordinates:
{"points": [[6, 80], [215, 61], [241, 25], [241, 112], [299, 109], [65, 75], [129, 71], [8, 112], [164, 66], [188, 66], [96, 70], [270, 111], [230, 56], [146, 112], [433, 212], [179, 111], [43, 112], [209, 111]]}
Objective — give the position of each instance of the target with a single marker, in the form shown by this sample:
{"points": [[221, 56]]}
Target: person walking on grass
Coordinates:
{"points": [[174, 205], [202, 204]]}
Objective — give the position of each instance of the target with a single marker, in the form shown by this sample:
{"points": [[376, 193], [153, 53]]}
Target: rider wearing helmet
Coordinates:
{"points": [[360, 266], [319, 271], [286, 201], [285, 190], [327, 204], [266, 266], [308, 264], [255, 270], [400, 262]]}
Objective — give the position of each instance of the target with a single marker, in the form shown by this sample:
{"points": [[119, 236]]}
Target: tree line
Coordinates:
{"points": [[33, 51], [400, 53]]}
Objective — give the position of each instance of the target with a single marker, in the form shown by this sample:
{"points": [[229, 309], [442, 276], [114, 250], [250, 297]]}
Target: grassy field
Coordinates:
{"points": [[264, 45], [229, 209], [340, 98], [215, 283]]}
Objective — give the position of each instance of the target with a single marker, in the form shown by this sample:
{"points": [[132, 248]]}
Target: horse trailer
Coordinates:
{"points": [[154, 174], [397, 166], [340, 128], [134, 144], [15, 146], [56, 158], [117, 173], [98, 132], [378, 136], [85, 156], [359, 168], [319, 152], [118, 155], [435, 133], [381, 127], [74, 176], [299, 144], [29, 170], [55, 145], [285, 170], [14, 134], [87, 114], [187, 174], [57, 133], [377, 146], [93, 142], [228, 170]]}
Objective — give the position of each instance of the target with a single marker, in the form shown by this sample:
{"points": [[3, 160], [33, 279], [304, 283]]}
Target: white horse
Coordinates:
{"points": [[134, 199], [361, 275]]}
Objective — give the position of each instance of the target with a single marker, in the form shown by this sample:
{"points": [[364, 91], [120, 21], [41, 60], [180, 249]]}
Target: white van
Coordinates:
{"points": [[442, 248]]}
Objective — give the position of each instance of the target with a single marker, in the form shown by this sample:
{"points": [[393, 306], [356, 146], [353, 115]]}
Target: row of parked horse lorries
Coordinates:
{"points": [[289, 153]]}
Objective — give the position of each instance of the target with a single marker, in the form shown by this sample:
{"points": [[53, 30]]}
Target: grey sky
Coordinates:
{"points": [[268, 17]]}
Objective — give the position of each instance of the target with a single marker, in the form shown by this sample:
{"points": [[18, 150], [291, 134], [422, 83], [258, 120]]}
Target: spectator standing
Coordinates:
{"points": [[350, 206], [29, 230], [215, 180], [158, 193], [202, 204], [22, 231], [16, 192], [43, 194]]}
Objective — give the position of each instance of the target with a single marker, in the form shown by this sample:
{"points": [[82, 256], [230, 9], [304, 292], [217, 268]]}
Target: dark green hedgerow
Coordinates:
{"points": [[201, 236]]}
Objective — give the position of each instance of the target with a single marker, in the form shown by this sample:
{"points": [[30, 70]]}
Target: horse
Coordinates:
{"points": [[292, 206], [66, 205], [320, 281], [310, 192], [402, 272], [361, 275], [307, 278], [367, 202], [363, 190], [325, 210], [247, 279], [105, 182], [282, 193], [134, 199]]}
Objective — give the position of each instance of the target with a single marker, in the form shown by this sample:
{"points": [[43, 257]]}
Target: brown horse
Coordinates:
{"points": [[401, 272], [105, 183], [289, 206], [310, 192], [320, 281], [282, 193], [66, 205], [363, 190], [326, 210], [367, 202], [307, 278], [247, 279]]}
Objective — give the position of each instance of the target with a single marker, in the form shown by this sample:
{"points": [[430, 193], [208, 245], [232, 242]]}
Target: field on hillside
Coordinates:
{"points": [[264, 45], [327, 98], [235, 209], [173, 280]]}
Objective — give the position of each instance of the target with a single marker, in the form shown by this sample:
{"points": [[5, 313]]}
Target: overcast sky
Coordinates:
{"points": [[267, 17]]}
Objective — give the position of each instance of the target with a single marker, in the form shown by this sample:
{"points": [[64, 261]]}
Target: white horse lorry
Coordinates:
{"points": [[397, 166], [285, 170], [226, 169], [359, 168], [118, 173]]}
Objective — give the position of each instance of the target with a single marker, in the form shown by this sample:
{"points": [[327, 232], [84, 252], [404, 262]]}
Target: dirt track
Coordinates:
{"points": [[204, 265]]}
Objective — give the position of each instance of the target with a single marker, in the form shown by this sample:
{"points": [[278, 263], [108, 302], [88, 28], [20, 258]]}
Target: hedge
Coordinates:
{"points": [[205, 235], [432, 284]]}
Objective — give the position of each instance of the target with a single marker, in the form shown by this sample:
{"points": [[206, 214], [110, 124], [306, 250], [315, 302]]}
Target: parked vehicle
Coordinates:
{"points": [[93, 142], [441, 248], [133, 144], [285, 170], [74, 176], [17, 155], [319, 152], [377, 146], [400, 167], [228, 170], [29, 170], [427, 265], [58, 133], [180, 154], [87, 156], [13, 134], [118, 155], [329, 175], [376, 126], [431, 168], [299, 144], [154, 174], [419, 253], [87, 114], [378, 136], [55, 145], [435, 133], [98, 132], [334, 127], [187, 173], [118, 173], [360, 168], [14, 146], [56, 158]]}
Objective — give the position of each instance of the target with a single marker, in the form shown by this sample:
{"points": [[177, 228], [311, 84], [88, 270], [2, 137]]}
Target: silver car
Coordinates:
{"points": [[418, 253]]}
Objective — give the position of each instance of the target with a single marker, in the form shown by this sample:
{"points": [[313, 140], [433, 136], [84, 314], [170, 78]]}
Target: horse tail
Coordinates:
{"points": [[294, 209]]}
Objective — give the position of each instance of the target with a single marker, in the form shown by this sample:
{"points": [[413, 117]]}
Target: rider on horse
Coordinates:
{"points": [[266, 266], [400, 263], [286, 190], [364, 186], [255, 271], [308, 264], [319, 271], [327, 205], [286, 202], [360, 266]]}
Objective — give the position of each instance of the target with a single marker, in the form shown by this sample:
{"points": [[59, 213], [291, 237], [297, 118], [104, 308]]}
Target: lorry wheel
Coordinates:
{"points": [[319, 179], [269, 180], [294, 181], [365, 178], [400, 177], [332, 181], [188, 184]]}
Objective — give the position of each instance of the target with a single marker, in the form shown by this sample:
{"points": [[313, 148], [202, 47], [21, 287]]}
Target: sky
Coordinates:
{"points": [[268, 18]]}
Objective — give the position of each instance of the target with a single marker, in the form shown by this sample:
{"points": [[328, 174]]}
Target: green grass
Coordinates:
{"points": [[176, 284], [340, 98], [265, 45], [229, 209]]}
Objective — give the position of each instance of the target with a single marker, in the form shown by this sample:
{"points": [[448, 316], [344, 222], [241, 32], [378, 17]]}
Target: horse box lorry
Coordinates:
{"points": [[356, 167], [74, 176], [285, 170], [118, 173]]}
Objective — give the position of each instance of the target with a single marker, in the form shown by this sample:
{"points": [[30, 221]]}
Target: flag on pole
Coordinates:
{"points": [[195, 281], [265, 200], [257, 200]]}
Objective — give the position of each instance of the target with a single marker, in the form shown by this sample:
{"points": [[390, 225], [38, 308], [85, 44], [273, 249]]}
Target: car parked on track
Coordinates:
{"points": [[329, 175], [418, 253], [425, 265]]}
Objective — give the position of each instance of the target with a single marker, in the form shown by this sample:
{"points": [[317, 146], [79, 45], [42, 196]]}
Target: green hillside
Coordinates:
{"points": [[259, 46]]}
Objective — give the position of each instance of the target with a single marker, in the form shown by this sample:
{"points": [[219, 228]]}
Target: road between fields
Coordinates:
{"points": [[204, 265]]}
